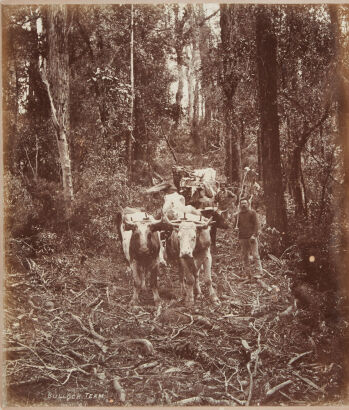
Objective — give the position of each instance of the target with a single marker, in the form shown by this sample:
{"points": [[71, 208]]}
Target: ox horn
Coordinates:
{"points": [[156, 222], [205, 224]]}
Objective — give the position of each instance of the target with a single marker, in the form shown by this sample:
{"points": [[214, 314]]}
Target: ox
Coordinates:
{"points": [[141, 244], [189, 244]]}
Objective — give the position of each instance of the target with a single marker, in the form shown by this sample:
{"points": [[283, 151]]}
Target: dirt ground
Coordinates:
{"points": [[73, 339]]}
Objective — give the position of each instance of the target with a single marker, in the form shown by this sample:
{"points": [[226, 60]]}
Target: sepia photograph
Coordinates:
{"points": [[175, 204]]}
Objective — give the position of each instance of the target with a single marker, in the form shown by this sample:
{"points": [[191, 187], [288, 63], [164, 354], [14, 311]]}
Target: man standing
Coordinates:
{"points": [[248, 237]]}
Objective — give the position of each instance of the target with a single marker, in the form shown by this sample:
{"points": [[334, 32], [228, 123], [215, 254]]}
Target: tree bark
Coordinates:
{"points": [[269, 121], [190, 81], [230, 82], [342, 92], [295, 181], [56, 79], [195, 134], [181, 76], [130, 138]]}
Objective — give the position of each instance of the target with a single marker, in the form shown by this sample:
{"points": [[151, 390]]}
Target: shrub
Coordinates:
{"points": [[99, 198], [20, 208]]}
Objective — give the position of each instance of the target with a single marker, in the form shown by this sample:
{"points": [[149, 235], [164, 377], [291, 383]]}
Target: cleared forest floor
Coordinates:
{"points": [[74, 340]]}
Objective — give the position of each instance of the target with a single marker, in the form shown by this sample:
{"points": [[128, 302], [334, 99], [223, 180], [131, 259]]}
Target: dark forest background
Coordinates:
{"points": [[230, 87]]}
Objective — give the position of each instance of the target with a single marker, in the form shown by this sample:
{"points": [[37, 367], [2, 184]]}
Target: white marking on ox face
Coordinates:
{"points": [[143, 231], [187, 239]]}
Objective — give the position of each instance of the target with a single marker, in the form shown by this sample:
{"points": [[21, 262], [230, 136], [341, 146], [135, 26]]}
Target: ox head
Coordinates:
{"points": [[188, 233], [143, 241], [218, 218]]}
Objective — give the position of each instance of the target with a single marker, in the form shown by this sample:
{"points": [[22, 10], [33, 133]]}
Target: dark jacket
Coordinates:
{"points": [[248, 224]]}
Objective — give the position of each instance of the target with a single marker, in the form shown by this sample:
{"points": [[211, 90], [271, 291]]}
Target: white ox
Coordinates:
{"points": [[189, 244]]}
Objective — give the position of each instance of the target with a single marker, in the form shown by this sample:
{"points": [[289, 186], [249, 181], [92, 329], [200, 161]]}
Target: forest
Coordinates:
{"points": [[103, 102]]}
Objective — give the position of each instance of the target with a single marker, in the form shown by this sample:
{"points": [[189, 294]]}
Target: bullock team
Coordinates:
{"points": [[188, 231]]}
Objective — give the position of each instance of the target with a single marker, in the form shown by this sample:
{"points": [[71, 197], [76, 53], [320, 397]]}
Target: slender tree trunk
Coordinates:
{"points": [[56, 79], [296, 185], [181, 76], [242, 137], [270, 138], [195, 134], [259, 154], [228, 154], [190, 81]]}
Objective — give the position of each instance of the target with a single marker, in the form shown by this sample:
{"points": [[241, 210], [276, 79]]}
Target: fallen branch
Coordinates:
{"points": [[53, 368], [286, 312], [251, 384], [264, 285], [97, 306], [280, 386], [298, 357], [148, 347], [272, 276], [91, 330], [201, 400], [312, 384], [144, 366], [242, 403], [182, 328], [33, 351], [93, 302], [120, 391], [81, 293], [98, 343]]}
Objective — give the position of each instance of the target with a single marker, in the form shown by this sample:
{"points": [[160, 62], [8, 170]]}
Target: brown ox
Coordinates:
{"points": [[141, 245]]}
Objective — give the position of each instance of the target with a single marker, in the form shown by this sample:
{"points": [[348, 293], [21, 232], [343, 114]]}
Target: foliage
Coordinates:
{"points": [[19, 207], [101, 194]]}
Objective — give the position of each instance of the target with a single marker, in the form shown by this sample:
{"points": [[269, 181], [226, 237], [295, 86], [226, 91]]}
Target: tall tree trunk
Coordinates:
{"points": [[181, 76], [195, 134], [342, 94], [259, 154], [191, 81], [129, 142], [230, 82], [270, 138], [56, 79]]}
